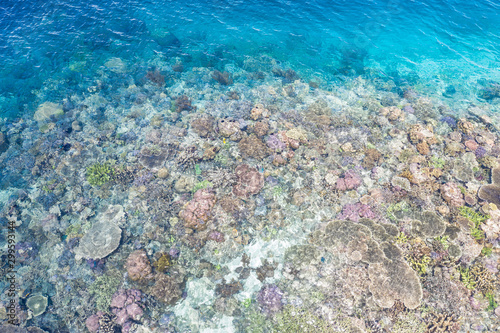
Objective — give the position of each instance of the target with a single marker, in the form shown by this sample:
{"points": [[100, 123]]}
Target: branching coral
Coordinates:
{"points": [[99, 174]]}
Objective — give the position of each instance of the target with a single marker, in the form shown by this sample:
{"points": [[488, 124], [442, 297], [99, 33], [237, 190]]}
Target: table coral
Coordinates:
{"points": [[100, 241], [391, 277]]}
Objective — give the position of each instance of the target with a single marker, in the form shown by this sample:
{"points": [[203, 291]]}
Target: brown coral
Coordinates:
{"points": [[166, 289], [203, 126], [197, 213], [372, 158], [392, 113], [138, 266], [250, 181], [183, 103], [223, 78], [229, 128], [260, 128], [442, 322], [491, 192], [258, 111], [465, 126], [252, 146]]}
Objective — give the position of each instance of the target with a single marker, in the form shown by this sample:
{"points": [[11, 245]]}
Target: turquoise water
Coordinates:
{"points": [[439, 42], [249, 166]]}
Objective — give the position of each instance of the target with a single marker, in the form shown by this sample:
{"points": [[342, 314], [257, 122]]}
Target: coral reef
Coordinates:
{"points": [[127, 306], [203, 126], [167, 289], [452, 194], [37, 304], [223, 78], [349, 181]]}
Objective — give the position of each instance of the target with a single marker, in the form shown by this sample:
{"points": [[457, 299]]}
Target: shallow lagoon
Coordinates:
{"points": [[178, 171]]}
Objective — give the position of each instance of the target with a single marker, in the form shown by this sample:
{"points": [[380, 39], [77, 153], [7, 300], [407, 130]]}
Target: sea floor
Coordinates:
{"points": [[252, 199]]}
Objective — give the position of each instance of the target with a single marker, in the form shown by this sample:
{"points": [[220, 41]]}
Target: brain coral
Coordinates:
{"points": [[391, 278], [102, 239]]}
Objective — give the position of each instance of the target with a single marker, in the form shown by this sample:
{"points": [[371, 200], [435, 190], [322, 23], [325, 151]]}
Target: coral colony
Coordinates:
{"points": [[251, 199]]}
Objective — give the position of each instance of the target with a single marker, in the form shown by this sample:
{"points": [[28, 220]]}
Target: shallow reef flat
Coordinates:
{"points": [[252, 198]]}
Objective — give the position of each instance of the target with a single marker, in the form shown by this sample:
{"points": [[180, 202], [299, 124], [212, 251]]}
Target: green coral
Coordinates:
{"points": [[197, 169], [486, 251], [222, 158], [437, 162], [202, 185], [444, 241], [256, 322], [99, 174], [409, 323], [476, 218], [401, 206], [103, 289], [420, 265], [401, 238], [492, 305], [467, 278]]}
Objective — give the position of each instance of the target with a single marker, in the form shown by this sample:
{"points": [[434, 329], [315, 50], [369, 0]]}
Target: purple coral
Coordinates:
{"points": [[127, 306], [409, 109], [354, 212], [350, 181], [269, 299], [480, 152], [26, 252], [143, 179], [216, 236], [449, 120], [275, 143]]}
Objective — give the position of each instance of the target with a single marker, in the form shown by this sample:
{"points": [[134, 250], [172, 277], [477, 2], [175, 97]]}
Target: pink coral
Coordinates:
{"points": [[452, 194], [197, 212], [350, 181], [127, 306], [138, 265], [92, 322], [354, 212], [250, 181]]}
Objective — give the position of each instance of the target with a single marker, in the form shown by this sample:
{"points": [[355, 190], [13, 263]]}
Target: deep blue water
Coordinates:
{"points": [[49, 48]]}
